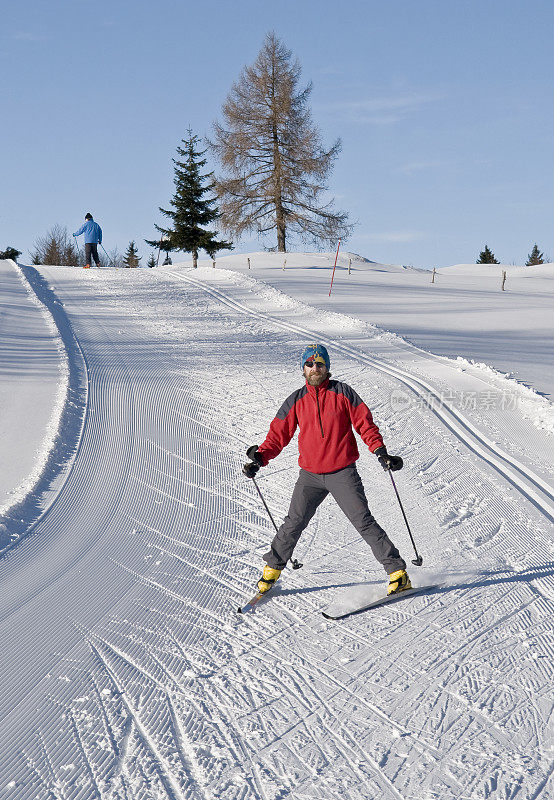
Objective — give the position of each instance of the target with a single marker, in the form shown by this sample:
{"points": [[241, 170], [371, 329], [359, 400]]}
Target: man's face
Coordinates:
{"points": [[315, 372]]}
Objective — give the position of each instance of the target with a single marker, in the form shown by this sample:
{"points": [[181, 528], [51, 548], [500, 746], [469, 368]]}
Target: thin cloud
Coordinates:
{"points": [[383, 110], [25, 36]]}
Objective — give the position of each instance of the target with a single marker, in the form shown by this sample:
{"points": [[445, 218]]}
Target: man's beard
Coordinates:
{"points": [[317, 378]]}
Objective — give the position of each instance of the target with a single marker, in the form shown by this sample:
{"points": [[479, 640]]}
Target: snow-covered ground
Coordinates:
{"points": [[33, 386], [126, 672], [463, 313]]}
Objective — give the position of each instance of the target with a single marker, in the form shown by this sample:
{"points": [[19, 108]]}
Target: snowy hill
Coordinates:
{"points": [[494, 271], [306, 261], [126, 672], [463, 313]]}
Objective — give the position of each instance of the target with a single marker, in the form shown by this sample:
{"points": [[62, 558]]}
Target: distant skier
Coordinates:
{"points": [[93, 237], [326, 410]]}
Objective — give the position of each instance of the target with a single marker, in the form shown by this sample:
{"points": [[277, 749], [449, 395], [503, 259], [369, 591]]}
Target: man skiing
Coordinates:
{"points": [[93, 237], [325, 411]]}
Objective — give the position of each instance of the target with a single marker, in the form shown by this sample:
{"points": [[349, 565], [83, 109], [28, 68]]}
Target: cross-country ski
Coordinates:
{"points": [[355, 604], [254, 602]]}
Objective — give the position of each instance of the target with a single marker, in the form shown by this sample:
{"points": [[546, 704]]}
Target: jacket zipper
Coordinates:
{"points": [[319, 412]]}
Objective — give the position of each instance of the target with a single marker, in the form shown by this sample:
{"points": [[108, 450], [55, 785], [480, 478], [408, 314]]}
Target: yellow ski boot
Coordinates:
{"points": [[269, 576], [398, 582]]}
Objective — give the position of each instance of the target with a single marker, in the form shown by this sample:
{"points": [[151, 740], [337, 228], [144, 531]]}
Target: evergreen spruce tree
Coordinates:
{"points": [[131, 258], [275, 165], [193, 208], [535, 257], [151, 261], [486, 256]]}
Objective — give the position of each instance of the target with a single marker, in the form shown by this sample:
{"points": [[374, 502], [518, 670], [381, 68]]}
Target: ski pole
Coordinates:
{"points": [[293, 561], [104, 249], [418, 560]]}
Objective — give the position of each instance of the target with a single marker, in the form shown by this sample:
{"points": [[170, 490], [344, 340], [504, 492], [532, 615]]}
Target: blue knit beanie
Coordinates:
{"points": [[316, 351]]}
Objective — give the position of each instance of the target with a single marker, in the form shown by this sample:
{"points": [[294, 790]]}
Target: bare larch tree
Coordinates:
{"points": [[271, 153]]}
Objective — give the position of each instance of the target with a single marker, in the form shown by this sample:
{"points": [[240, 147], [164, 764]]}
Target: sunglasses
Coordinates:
{"points": [[312, 363]]}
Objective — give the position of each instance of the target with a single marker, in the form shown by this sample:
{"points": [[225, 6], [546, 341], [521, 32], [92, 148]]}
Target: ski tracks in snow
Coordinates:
{"points": [[159, 692]]}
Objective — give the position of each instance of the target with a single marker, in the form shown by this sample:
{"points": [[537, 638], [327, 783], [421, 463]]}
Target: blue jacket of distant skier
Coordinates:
{"points": [[92, 231]]}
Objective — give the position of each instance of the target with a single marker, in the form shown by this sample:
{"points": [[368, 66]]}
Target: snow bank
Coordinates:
{"points": [[293, 260], [48, 394], [531, 404], [496, 270]]}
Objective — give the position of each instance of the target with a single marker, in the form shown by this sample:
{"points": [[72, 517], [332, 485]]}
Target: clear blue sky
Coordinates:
{"points": [[445, 110]]}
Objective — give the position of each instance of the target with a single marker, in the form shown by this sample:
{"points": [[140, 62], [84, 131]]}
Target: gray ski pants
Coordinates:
{"points": [[346, 487]]}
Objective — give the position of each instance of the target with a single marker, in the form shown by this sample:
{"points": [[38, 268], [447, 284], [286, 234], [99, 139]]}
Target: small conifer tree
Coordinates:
{"points": [[535, 257], [192, 209], [486, 256], [10, 252], [131, 258], [151, 261]]}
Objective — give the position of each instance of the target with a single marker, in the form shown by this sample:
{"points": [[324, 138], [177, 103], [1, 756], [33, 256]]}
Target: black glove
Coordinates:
{"points": [[250, 469], [252, 453], [253, 466], [387, 461]]}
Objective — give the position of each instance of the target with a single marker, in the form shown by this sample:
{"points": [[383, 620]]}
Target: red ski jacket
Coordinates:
{"points": [[325, 415]]}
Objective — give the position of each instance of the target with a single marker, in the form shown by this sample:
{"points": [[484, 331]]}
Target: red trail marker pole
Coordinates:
{"points": [[334, 268]]}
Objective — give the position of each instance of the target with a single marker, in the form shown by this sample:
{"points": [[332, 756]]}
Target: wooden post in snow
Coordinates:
{"points": [[433, 278], [285, 263], [349, 265], [213, 263], [503, 279], [248, 263]]}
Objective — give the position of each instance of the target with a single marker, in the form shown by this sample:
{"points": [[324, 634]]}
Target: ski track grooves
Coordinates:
{"points": [[171, 786], [105, 483], [538, 492]]}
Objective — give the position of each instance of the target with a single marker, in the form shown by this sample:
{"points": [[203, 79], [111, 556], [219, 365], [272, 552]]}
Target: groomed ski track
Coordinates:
{"points": [[127, 674]]}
